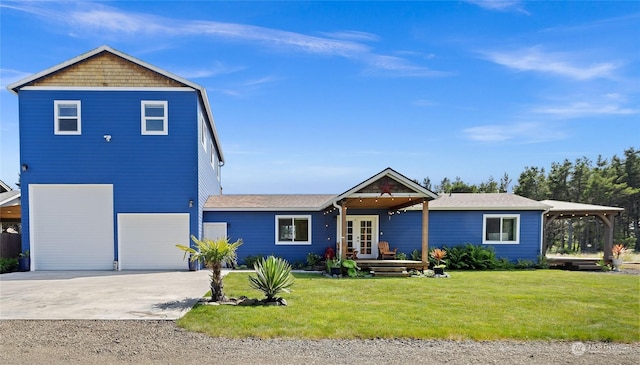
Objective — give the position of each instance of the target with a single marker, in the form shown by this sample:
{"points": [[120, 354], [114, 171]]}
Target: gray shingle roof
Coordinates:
{"points": [[268, 202], [557, 206], [485, 201]]}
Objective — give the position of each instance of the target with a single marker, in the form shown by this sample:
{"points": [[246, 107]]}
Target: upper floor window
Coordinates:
{"points": [[155, 118], [67, 117], [500, 228], [203, 132]]}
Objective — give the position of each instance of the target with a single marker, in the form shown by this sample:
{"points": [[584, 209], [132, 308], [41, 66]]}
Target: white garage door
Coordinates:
{"points": [[71, 227], [148, 241]]}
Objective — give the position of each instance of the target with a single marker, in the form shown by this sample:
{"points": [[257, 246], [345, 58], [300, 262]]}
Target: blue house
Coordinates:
{"points": [[118, 158], [121, 160], [386, 207]]}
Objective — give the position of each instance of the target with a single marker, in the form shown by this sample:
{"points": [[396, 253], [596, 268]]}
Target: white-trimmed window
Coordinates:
{"points": [[501, 229], [203, 132], [67, 117], [154, 117], [293, 229]]}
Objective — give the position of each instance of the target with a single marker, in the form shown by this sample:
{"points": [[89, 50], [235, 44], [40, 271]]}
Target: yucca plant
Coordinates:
{"points": [[213, 253], [273, 277]]}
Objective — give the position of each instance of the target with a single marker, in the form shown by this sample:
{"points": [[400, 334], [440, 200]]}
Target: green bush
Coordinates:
{"points": [[313, 259], [471, 257], [251, 260], [8, 265], [401, 256], [416, 255], [273, 277]]}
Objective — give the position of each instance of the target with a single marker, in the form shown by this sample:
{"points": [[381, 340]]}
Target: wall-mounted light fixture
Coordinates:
{"points": [[24, 167], [190, 203], [107, 137]]}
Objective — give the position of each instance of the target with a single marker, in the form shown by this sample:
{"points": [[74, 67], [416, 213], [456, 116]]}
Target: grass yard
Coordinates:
{"points": [[487, 305]]}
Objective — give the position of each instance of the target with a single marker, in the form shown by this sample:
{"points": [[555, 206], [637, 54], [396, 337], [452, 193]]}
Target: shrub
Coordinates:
{"points": [[251, 260], [273, 277], [313, 259], [401, 256], [525, 264], [8, 265], [416, 255], [352, 268], [471, 257]]}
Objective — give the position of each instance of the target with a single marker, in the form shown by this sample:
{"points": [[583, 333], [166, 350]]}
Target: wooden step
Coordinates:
{"points": [[588, 267], [388, 269], [394, 274]]}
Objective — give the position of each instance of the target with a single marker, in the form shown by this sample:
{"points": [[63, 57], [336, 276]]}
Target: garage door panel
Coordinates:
{"points": [[71, 227], [148, 241]]}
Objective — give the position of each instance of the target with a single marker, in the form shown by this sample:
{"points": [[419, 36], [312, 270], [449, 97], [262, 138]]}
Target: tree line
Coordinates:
{"points": [[611, 181]]}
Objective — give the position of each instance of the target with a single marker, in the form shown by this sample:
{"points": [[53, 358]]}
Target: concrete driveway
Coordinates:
{"points": [[100, 294]]}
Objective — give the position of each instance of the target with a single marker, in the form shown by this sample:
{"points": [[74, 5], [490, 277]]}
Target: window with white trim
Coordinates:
{"points": [[203, 132], [67, 117], [293, 229], [154, 118], [501, 229]]}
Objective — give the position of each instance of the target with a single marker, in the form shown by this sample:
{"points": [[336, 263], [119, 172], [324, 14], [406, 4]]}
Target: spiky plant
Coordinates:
{"points": [[438, 254], [273, 276], [213, 253], [618, 250]]}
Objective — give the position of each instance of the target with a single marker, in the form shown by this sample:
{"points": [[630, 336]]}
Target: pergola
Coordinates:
{"points": [[568, 210]]}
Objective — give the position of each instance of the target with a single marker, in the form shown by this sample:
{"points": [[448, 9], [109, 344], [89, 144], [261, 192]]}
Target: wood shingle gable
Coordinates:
{"points": [[105, 69]]}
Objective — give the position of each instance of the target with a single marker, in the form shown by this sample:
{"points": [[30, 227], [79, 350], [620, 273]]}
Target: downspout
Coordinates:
{"points": [[339, 225]]}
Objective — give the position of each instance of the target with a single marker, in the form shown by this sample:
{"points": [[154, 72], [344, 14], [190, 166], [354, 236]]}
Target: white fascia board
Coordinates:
{"points": [[542, 209], [9, 199], [262, 209], [394, 175], [106, 88]]}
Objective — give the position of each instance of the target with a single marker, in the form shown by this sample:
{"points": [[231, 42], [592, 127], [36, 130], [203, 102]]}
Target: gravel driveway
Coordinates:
{"points": [[162, 342]]}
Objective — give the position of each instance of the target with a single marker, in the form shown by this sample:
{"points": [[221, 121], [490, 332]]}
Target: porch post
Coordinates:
{"points": [[425, 234], [608, 236], [343, 228]]}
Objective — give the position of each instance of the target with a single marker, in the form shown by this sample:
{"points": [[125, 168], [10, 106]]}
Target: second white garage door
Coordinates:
{"points": [[148, 241]]}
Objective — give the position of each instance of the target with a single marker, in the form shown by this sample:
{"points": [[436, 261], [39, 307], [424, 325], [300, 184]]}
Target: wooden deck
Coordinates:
{"points": [[395, 268], [573, 263]]}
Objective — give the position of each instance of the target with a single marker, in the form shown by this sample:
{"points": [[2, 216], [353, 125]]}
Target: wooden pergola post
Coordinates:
{"points": [[608, 236], [425, 234]]}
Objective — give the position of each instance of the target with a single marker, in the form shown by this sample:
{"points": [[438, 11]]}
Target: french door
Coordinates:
{"points": [[362, 235]]}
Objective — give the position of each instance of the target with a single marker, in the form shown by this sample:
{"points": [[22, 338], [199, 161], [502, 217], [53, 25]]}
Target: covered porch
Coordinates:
{"points": [[358, 232]]}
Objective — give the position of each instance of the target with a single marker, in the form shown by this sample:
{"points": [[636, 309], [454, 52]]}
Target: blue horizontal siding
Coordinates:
{"points": [[257, 231], [151, 174], [402, 231]]}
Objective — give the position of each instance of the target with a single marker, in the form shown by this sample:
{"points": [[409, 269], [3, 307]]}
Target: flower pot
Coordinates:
{"points": [[335, 271], [438, 270], [24, 264], [616, 264]]}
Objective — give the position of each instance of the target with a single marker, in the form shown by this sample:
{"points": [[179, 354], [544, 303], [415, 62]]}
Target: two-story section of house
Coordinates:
{"points": [[118, 158]]}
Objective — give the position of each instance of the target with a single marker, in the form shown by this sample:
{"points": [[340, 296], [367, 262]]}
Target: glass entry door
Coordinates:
{"points": [[362, 236]]}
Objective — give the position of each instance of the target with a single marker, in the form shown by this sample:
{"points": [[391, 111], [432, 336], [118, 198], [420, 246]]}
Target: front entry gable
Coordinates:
{"points": [[387, 190]]}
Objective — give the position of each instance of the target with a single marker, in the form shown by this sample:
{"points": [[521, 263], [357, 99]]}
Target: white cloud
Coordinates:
{"points": [[584, 109], [501, 5], [557, 63], [9, 76], [521, 132], [89, 19]]}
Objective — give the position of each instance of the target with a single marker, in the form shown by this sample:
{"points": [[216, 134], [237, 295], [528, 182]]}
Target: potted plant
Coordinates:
{"points": [[438, 254], [333, 266], [617, 251], [24, 261]]}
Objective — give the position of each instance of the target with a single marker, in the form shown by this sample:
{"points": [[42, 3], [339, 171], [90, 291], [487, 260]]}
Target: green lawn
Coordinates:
{"points": [[487, 305]]}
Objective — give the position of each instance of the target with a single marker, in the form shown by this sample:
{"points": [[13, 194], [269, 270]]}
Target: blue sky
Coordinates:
{"points": [[315, 97]]}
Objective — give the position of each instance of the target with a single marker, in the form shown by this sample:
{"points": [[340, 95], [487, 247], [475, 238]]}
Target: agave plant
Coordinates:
{"points": [[273, 277], [213, 253]]}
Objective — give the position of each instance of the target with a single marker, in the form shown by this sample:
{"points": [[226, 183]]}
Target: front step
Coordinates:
{"points": [[400, 272]]}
